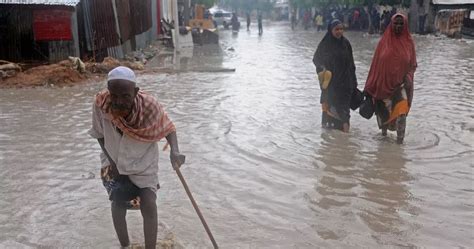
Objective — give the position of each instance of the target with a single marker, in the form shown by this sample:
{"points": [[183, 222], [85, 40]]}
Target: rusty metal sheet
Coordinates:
{"points": [[103, 27], [123, 16], [52, 25], [140, 12]]}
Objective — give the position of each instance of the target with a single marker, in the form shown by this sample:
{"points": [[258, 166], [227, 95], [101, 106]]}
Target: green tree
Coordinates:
{"points": [[322, 3], [207, 3], [247, 5]]}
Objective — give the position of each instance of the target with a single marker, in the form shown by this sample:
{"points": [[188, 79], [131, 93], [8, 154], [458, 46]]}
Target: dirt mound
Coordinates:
{"points": [[64, 73], [60, 74]]}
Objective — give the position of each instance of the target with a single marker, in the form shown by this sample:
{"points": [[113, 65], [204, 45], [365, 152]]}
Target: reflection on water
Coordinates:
{"points": [[384, 181], [263, 172]]}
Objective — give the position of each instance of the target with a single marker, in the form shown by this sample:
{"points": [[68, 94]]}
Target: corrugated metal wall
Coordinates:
{"points": [[114, 27], [141, 40], [16, 29], [17, 41], [100, 28], [103, 24], [140, 11], [13, 25], [86, 21], [123, 16], [154, 17], [60, 50]]}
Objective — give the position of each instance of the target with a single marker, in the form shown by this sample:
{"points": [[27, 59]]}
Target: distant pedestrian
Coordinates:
{"points": [[421, 20], [234, 21], [356, 19], [260, 26], [306, 19], [386, 20], [319, 22], [248, 21], [392, 13], [293, 21], [376, 21]]}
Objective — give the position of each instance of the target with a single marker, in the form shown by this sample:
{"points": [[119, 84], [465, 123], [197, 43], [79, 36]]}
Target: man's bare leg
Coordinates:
{"points": [[120, 223], [150, 216]]}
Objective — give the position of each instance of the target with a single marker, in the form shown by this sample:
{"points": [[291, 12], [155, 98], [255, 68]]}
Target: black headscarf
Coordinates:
{"points": [[333, 24], [335, 54]]}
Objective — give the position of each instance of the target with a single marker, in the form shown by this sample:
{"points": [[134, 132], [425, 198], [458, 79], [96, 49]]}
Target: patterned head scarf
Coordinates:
{"points": [[147, 122]]}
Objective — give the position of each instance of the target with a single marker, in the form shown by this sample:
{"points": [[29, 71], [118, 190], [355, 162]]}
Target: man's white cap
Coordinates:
{"points": [[122, 73]]}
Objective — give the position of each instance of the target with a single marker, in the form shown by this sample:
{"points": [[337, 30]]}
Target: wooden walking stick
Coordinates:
{"points": [[214, 243]]}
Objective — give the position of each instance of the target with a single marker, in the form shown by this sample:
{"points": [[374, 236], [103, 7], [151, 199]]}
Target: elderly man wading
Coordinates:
{"points": [[128, 123]]}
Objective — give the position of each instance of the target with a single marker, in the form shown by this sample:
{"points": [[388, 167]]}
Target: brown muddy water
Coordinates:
{"points": [[262, 170]]}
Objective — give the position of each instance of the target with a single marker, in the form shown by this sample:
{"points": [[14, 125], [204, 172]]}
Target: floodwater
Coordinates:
{"points": [[263, 172]]}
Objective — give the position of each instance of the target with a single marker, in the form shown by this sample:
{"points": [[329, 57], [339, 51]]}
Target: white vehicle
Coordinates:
{"points": [[221, 17]]}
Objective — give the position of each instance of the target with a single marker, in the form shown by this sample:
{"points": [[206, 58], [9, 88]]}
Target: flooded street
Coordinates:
{"points": [[263, 172]]}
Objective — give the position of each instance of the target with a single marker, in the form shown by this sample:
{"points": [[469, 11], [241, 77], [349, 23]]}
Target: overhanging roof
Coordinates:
{"points": [[45, 2], [453, 2]]}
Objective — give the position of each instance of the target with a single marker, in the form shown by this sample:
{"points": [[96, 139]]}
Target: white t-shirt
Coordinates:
{"points": [[138, 160]]}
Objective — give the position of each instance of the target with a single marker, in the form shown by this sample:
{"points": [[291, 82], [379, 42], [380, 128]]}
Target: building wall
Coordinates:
{"points": [[167, 9], [103, 20], [60, 50], [127, 47], [123, 17], [126, 26], [75, 34], [99, 28], [159, 15], [449, 22], [17, 35], [154, 20], [16, 32]]}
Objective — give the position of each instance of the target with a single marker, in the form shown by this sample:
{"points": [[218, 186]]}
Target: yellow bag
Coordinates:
{"points": [[324, 78]]}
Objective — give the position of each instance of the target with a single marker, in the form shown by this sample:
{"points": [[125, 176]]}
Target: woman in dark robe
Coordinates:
{"points": [[334, 55], [390, 80]]}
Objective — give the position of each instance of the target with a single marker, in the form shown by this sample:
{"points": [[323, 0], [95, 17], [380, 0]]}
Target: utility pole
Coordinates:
{"points": [[174, 7], [186, 12]]}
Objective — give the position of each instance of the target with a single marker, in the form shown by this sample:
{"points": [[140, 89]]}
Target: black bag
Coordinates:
{"points": [[356, 99], [367, 107]]}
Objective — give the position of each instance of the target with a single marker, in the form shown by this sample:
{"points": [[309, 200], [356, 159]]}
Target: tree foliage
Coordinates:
{"points": [[267, 5], [247, 5], [323, 3], [207, 3]]}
